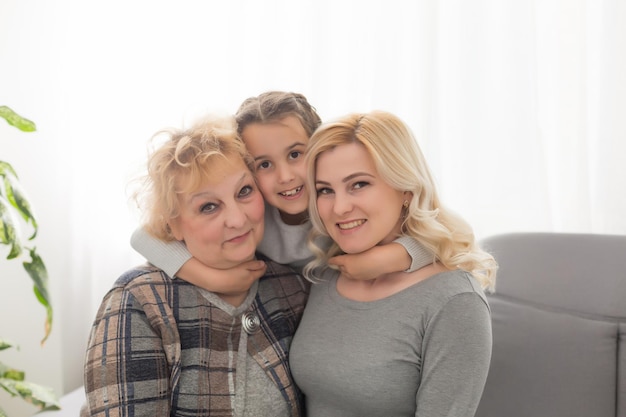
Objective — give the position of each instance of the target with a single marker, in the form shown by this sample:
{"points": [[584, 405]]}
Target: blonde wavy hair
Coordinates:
{"points": [[401, 164], [181, 164]]}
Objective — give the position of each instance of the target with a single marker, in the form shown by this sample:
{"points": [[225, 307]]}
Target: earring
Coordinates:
{"points": [[405, 204]]}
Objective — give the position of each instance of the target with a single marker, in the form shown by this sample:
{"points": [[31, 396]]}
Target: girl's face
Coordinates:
{"points": [[222, 222], [358, 209], [278, 152]]}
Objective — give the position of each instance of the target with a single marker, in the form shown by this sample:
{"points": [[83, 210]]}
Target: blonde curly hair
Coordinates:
{"points": [[400, 162], [181, 164]]}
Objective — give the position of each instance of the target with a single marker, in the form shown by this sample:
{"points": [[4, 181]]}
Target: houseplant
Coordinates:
{"points": [[16, 217]]}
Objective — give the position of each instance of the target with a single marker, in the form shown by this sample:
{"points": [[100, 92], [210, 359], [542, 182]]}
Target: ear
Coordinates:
{"points": [[175, 228], [408, 196]]}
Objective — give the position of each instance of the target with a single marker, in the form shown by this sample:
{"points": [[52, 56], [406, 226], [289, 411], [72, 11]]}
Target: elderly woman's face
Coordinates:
{"points": [[221, 223]]}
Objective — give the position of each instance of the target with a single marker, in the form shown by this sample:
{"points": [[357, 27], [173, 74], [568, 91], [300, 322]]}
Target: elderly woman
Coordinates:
{"points": [[163, 347]]}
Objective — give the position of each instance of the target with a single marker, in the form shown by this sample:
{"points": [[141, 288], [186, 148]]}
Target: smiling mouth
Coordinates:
{"points": [[291, 193], [239, 238], [350, 225]]}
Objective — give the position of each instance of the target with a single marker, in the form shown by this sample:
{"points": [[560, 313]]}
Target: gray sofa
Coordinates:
{"points": [[559, 326]]}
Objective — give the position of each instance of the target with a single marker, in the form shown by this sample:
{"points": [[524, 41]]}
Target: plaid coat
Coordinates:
{"points": [[158, 347]]}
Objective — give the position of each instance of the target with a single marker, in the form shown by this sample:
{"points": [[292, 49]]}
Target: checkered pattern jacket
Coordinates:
{"points": [[159, 348]]}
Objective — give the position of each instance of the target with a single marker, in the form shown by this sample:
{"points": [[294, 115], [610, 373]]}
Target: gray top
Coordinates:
{"points": [[282, 243], [424, 351]]}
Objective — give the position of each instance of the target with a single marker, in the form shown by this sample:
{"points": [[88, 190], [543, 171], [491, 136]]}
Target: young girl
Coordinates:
{"points": [[275, 127]]}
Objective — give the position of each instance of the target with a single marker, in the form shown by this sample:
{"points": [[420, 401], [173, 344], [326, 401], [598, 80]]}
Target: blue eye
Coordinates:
{"points": [[324, 191]]}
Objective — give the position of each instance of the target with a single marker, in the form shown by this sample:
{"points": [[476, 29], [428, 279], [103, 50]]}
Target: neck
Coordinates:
{"points": [[294, 219]]}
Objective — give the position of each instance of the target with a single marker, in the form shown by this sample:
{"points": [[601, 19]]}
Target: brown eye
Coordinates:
{"points": [[263, 165], [360, 184]]}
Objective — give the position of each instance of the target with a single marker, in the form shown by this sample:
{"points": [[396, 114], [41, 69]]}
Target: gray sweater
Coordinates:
{"points": [[424, 351]]}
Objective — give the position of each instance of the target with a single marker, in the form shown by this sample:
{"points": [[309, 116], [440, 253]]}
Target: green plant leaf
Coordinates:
{"points": [[16, 120], [3, 369], [9, 234], [39, 274], [5, 167], [16, 197], [38, 395], [13, 374], [6, 344], [13, 201]]}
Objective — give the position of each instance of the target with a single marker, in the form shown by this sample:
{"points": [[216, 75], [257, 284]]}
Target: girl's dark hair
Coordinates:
{"points": [[273, 106]]}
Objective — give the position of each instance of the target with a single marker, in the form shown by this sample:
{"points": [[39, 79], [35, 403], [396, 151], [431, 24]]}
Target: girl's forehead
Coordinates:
{"points": [[265, 140]]}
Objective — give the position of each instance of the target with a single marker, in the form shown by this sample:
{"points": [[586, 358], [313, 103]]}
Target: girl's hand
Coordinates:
{"points": [[374, 262], [223, 281]]}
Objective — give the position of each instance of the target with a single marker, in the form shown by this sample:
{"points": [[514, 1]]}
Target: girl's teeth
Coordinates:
{"points": [[291, 192]]}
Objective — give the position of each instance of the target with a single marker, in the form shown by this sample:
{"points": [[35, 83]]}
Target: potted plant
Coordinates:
{"points": [[16, 216]]}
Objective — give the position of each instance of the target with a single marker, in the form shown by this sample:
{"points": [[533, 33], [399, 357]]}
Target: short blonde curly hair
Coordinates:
{"points": [[181, 164]]}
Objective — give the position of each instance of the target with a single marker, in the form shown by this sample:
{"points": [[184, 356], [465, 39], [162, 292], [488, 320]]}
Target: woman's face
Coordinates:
{"points": [[358, 209], [221, 223], [278, 152]]}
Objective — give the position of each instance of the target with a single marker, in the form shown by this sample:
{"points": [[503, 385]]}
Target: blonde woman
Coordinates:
{"points": [[405, 343]]}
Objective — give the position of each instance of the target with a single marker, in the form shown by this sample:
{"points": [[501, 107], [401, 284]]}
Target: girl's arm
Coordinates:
{"points": [[176, 261], [168, 256], [403, 254]]}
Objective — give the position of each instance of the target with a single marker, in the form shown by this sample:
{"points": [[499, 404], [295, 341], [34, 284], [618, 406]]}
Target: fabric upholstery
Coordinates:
{"points": [[559, 326]]}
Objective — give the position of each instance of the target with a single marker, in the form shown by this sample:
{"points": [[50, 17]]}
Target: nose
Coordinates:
{"points": [[285, 173], [341, 204], [235, 216]]}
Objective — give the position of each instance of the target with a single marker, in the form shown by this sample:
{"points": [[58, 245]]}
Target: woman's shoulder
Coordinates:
{"points": [[141, 275], [150, 288], [146, 283], [448, 284]]}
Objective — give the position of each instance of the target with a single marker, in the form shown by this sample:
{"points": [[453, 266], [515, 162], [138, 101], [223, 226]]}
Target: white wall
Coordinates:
{"points": [[518, 106]]}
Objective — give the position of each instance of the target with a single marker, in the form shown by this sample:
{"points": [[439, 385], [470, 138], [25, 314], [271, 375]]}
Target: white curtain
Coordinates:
{"points": [[519, 106]]}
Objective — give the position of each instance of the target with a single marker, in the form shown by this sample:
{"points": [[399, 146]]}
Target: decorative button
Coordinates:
{"points": [[250, 322]]}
